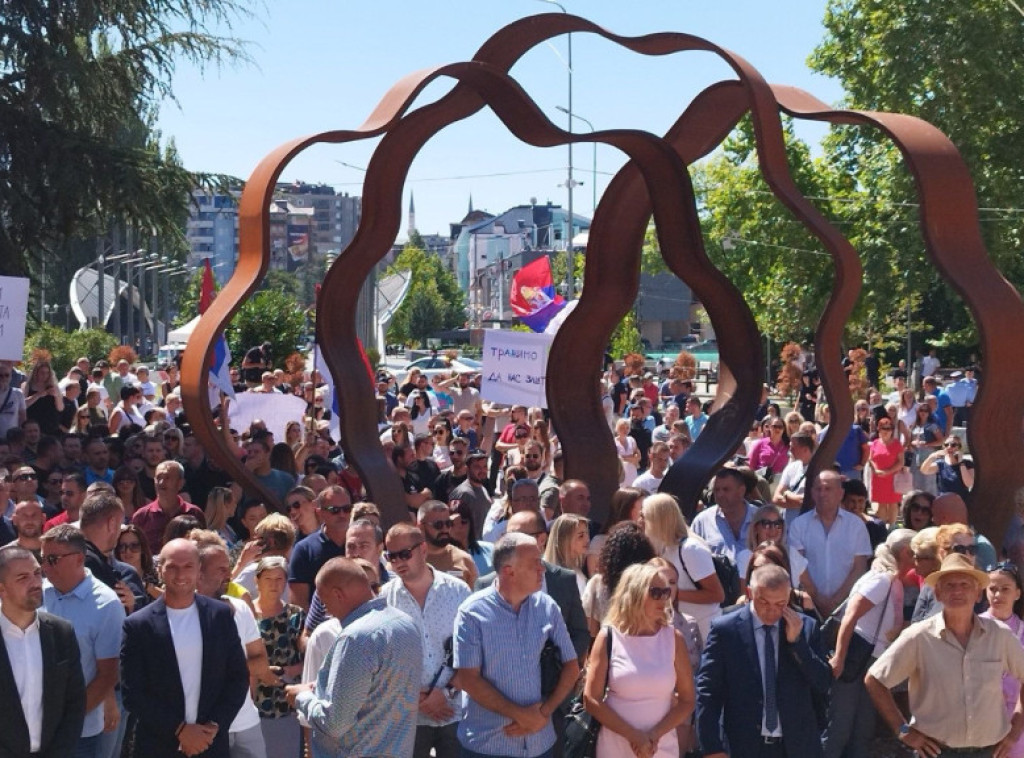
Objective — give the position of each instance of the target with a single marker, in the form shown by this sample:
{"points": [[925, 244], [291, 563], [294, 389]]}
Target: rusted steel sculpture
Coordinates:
{"points": [[654, 181]]}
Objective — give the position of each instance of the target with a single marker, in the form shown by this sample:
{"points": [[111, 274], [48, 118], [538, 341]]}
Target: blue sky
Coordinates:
{"points": [[324, 64]]}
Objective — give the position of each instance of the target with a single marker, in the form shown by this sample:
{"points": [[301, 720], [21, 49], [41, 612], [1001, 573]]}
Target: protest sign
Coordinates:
{"points": [[515, 368], [13, 310], [274, 408]]}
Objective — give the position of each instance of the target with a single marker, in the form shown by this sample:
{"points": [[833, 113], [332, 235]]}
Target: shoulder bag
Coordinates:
{"points": [[860, 651], [581, 728]]}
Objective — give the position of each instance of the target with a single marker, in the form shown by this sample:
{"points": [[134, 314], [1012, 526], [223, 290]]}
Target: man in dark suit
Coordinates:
{"points": [[559, 583], [184, 695], [42, 715], [762, 677]]}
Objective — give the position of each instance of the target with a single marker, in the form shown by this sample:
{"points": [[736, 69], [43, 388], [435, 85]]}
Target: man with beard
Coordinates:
{"points": [[416, 494], [432, 598], [245, 736], [435, 521], [28, 522], [423, 466], [72, 495], [97, 458], [452, 477], [640, 433], [101, 517], [42, 690], [334, 506], [467, 397], [473, 491], [533, 459]]}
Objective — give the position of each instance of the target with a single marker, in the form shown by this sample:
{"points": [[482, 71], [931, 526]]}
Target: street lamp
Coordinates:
{"points": [[569, 182], [593, 180]]}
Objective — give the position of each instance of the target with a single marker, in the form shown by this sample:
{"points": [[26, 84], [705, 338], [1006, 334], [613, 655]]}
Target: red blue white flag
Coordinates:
{"points": [[533, 297]]}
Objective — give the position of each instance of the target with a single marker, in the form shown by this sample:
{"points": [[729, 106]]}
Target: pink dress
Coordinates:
{"points": [[641, 687], [1011, 687]]}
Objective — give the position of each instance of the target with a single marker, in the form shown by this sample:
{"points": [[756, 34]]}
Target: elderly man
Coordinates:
{"points": [[955, 663], [497, 632], [153, 517], [364, 701]]}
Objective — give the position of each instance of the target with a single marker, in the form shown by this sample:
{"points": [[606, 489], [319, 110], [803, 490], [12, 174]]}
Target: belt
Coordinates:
{"points": [[771, 740], [948, 749]]}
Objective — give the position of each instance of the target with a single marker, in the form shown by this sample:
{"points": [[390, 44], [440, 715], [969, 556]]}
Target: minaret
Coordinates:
{"points": [[412, 215], [470, 205]]}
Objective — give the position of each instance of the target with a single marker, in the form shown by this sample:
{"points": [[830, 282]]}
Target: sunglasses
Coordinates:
{"points": [[439, 525], [1008, 566], [439, 432], [767, 523], [920, 508], [25, 478], [294, 506], [53, 560], [659, 593], [130, 547], [334, 510], [401, 555], [951, 444], [965, 549], [884, 428], [925, 557]]}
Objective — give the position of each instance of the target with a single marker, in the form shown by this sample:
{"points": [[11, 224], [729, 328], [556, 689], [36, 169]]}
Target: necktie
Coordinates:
{"points": [[771, 709]]}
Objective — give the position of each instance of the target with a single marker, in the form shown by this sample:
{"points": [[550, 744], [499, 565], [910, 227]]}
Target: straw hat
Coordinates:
{"points": [[954, 563]]}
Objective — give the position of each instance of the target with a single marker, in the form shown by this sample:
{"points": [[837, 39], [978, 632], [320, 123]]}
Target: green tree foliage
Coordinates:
{"points": [[284, 282], [959, 66], [67, 347], [268, 316], [626, 337], [79, 85], [187, 301], [434, 291]]}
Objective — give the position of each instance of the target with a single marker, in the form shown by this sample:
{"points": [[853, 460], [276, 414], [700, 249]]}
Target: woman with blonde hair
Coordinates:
{"points": [[646, 699], [699, 592], [220, 506], [568, 538], [44, 402], [768, 525], [874, 613]]}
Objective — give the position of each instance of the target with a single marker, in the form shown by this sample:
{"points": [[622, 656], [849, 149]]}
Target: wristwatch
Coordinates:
{"points": [[904, 731]]}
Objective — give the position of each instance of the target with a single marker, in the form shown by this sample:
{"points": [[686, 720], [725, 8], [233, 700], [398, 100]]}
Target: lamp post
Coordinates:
{"points": [[570, 183], [593, 170]]}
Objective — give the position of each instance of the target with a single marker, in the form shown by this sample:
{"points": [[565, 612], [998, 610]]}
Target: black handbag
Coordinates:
{"points": [[550, 668], [859, 652], [581, 728]]}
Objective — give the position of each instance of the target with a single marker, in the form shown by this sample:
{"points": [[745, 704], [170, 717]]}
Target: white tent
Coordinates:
{"points": [[182, 333]]}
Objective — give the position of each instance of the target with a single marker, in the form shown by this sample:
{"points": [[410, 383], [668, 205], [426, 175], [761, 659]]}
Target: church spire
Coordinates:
{"points": [[412, 214]]}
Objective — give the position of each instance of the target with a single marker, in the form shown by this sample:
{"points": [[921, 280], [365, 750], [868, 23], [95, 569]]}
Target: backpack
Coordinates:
{"points": [[727, 573]]}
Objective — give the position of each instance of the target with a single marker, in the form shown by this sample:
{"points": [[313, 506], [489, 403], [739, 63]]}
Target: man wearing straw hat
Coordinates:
{"points": [[955, 663]]}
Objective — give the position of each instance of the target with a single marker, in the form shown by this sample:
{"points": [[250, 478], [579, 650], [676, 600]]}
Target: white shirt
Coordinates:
{"points": [[435, 619], [26, 656], [188, 649], [793, 478], [698, 565], [829, 555], [247, 716], [317, 647], [647, 482], [759, 642], [874, 586]]}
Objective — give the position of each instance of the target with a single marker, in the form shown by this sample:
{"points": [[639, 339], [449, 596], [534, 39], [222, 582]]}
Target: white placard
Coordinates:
{"points": [[274, 408], [515, 368], [13, 310]]}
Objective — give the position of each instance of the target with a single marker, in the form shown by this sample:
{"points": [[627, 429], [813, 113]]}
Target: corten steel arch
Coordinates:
{"points": [[588, 446]]}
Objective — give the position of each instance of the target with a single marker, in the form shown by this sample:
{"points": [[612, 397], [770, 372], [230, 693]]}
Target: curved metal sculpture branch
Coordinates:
{"points": [[949, 224]]}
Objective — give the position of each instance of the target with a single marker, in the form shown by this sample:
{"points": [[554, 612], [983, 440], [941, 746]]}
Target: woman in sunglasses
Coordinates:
{"points": [[1005, 604], [925, 439], [953, 473], [133, 549], [885, 460], [771, 452], [768, 525], [949, 538], [916, 511], [646, 699]]}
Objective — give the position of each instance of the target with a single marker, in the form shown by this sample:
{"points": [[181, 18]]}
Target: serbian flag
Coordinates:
{"points": [[220, 366], [533, 296]]}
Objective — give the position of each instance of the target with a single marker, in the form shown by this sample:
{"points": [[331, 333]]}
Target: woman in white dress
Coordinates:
{"points": [[628, 452]]}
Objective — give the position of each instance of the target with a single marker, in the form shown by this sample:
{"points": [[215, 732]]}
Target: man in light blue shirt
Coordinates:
{"points": [[724, 525], [71, 592], [695, 417], [365, 700], [499, 635]]}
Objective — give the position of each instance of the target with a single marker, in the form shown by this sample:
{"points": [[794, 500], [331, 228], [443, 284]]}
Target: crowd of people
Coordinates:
{"points": [[150, 606]]}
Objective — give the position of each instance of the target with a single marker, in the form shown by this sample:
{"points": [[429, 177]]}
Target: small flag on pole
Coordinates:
{"points": [[220, 367], [533, 297]]}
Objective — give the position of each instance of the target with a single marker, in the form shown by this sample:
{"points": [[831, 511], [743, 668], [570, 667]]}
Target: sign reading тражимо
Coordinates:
{"points": [[515, 367]]}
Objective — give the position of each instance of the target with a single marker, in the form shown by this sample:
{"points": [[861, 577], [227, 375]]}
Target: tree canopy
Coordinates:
{"points": [[79, 87], [434, 301]]}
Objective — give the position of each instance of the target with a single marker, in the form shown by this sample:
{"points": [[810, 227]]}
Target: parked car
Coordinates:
{"points": [[439, 364]]}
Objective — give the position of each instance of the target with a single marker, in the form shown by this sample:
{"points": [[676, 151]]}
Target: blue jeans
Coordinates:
{"points": [[89, 747]]}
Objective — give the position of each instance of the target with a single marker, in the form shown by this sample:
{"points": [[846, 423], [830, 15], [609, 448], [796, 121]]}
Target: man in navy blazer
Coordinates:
{"points": [[184, 695], [738, 713]]}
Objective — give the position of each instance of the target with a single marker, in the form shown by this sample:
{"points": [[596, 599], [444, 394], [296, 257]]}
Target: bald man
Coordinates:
{"points": [[184, 674], [365, 700]]}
